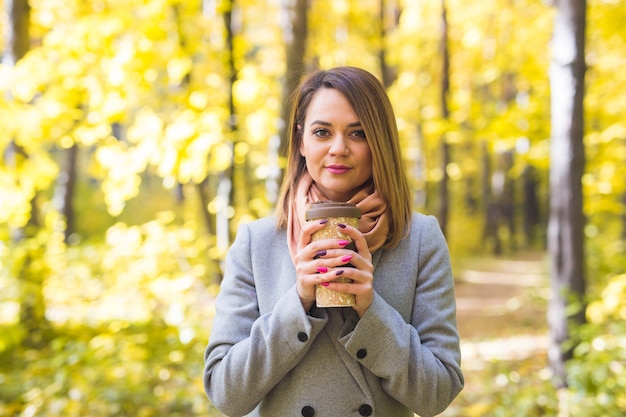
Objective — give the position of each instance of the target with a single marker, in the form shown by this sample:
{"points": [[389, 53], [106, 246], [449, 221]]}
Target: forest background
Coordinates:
{"points": [[138, 134]]}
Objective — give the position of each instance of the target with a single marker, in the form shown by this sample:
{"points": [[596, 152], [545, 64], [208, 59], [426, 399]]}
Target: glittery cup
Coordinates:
{"points": [[335, 213]]}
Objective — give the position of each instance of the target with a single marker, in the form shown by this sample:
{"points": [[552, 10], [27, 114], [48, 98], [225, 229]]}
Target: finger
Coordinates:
{"points": [[357, 286], [358, 239], [307, 231]]}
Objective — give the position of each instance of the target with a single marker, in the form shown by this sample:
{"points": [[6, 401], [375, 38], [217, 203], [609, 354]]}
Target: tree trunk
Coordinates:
{"points": [[31, 275], [444, 203], [530, 205], [388, 22], [488, 200], [18, 31], [471, 183], [445, 58], [566, 223], [295, 33], [445, 113], [507, 203], [419, 171], [624, 216], [496, 208], [67, 187], [204, 204], [17, 44], [226, 179]]}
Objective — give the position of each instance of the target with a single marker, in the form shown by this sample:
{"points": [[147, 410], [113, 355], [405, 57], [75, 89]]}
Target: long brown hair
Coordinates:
{"points": [[370, 102]]}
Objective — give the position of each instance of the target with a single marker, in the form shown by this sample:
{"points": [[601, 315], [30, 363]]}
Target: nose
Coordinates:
{"points": [[339, 145]]}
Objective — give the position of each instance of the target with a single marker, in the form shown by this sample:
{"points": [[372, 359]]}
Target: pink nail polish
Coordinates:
{"points": [[324, 284], [346, 258], [343, 242], [321, 269]]}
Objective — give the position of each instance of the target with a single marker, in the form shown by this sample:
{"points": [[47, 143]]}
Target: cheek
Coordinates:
{"points": [[366, 155], [305, 150], [367, 162], [305, 153], [308, 150]]}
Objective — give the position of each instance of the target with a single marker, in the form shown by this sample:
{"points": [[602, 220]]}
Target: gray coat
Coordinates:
{"points": [[267, 357]]}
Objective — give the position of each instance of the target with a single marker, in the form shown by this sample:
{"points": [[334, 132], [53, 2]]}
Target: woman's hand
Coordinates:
{"points": [[323, 261], [362, 273], [307, 262]]}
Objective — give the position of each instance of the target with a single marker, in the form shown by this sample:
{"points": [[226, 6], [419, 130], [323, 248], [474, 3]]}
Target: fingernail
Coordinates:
{"points": [[321, 269], [343, 242], [343, 226], [323, 221], [320, 253], [339, 272], [324, 284], [346, 258]]}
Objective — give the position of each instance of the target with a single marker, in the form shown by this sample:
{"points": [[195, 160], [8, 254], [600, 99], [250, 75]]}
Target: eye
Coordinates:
{"points": [[321, 133], [359, 134]]}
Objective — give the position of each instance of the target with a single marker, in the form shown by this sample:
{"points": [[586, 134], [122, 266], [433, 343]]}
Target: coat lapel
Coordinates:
{"points": [[338, 326], [342, 321]]}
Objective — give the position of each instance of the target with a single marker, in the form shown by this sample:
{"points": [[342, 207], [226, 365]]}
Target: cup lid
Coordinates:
{"points": [[323, 209]]}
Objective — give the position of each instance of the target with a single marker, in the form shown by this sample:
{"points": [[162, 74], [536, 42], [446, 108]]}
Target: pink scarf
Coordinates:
{"points": [[373, 223]]}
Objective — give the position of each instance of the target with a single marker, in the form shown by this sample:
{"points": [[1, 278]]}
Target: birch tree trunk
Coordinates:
{"points": [[444, 202], [18, 31], [226, 179], [66, 184], [566, 223]]}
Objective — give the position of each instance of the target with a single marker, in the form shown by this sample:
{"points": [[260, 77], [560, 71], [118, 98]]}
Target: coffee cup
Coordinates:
{"points": [[335, 213]]}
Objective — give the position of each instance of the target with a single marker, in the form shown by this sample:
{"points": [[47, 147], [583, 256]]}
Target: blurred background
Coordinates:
{"points": [[137, 135]]}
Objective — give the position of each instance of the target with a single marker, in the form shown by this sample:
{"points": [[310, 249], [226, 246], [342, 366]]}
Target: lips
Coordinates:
{"points": [[337, 169]]}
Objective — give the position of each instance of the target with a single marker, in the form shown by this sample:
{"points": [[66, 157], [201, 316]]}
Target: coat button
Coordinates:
{"points": [[361, 353], [365, 410], [302, 337], [307, 411]]}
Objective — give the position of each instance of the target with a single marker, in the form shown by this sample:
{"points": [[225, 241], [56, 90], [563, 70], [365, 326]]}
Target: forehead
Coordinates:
{"points": [[329, 104]]}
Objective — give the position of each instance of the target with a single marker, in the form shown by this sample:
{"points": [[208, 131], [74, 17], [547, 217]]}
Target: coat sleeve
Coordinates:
{"points": [[419, 363], [249, 353]]}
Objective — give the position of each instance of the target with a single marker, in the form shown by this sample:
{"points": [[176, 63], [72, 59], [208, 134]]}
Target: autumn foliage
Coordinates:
{"points": [[136, 135]]}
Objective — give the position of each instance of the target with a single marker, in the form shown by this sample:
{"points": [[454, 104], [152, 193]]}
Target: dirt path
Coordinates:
{"points": [[501, 312], [503, 302]]}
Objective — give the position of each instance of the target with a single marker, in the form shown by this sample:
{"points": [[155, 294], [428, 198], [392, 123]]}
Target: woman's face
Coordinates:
{"points": [[337, 154]]}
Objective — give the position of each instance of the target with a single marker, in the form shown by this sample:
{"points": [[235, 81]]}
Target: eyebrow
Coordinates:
{"points": [[323, 123]]}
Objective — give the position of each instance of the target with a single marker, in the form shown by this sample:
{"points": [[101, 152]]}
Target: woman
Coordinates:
{"points": [[272, 352]]}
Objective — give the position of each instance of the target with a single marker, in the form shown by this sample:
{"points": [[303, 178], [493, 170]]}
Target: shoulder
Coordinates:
{"points": [[424, 237], [424, 228], [423, 232], [264, 226], [260, 233], [256, 241]]}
